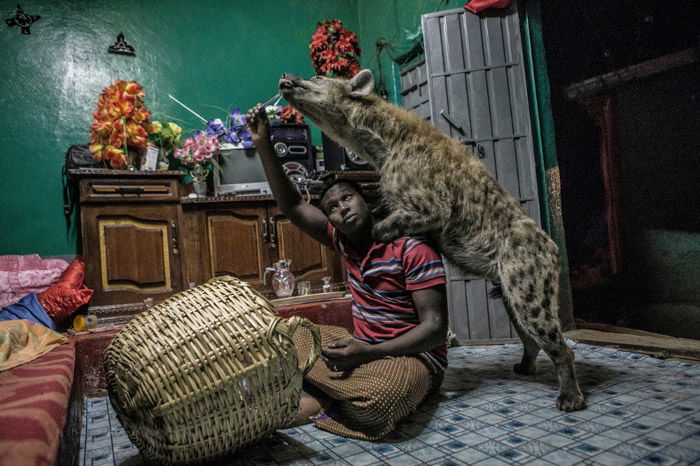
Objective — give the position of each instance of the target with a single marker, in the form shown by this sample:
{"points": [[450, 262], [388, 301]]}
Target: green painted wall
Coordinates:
{"points": [[392, 20], [213, 55]]}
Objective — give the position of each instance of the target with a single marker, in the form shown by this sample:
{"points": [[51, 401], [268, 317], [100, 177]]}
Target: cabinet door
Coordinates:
{"points": [[236, 242], [133, 253], [310, 259]]}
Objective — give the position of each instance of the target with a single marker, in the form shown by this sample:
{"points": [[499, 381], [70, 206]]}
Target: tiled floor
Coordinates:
{"points": [[641, 410]]}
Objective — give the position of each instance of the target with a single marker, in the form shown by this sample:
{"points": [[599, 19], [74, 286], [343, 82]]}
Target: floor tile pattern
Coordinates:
{"points": [[641, 410]]}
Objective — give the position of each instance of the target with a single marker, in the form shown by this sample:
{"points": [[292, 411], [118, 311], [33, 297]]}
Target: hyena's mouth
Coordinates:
{"points": [[286, 87], [290, 84]]}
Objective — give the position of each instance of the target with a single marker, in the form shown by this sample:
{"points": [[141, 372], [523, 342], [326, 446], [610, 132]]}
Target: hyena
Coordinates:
{"points": [[431, 184]]}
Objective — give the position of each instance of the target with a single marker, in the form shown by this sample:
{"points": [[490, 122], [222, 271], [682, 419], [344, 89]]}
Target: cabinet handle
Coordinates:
{"points": [[273, 239], [264, 235], [130, 189], [173, 229]]}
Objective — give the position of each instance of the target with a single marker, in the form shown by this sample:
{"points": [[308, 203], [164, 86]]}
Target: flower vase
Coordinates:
{"points": [[199, 180], [163, 161], [133, 159]]}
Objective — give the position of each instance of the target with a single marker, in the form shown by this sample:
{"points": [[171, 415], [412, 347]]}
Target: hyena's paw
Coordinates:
{"points": [[383, 233], [571, 401], [524, 369]]}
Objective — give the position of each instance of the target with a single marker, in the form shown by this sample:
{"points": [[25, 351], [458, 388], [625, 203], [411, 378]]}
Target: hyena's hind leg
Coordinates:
{"points": [[530, 293], [528, 363]]}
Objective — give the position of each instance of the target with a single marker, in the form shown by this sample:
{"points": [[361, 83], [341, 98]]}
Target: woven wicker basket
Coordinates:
{"points": [[205, 372]]}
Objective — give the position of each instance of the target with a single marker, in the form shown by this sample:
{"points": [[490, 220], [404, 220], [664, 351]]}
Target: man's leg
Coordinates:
{"points": [[367, 402]]}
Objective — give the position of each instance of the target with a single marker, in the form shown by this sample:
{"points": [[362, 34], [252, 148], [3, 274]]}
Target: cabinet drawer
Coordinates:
{"points": [[99, 190]]}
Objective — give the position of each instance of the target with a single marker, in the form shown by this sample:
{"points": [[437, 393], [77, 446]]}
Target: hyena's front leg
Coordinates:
{"points": [[400, 223]]}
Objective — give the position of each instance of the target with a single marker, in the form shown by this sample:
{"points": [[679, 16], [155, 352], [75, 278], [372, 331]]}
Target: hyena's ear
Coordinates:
{"points": [[361, 84]]}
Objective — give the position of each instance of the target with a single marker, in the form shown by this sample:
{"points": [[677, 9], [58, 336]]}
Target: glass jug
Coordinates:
{"points": [[282, 278]]}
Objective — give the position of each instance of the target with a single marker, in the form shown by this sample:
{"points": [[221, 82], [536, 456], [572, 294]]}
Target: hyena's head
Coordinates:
{"points": [[327, 101]]}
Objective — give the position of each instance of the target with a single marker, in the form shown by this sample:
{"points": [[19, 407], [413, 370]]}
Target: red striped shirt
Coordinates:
{"points": [[381, 284]]}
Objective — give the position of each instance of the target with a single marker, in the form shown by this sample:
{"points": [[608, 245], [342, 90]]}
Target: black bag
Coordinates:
{"points": [[77, 156]]}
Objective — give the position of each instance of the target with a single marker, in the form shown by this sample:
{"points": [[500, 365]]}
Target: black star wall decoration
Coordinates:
{"points": [[22, 20]]}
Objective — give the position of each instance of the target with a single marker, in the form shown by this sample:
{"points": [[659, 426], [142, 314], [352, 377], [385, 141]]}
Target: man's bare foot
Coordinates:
{"points": [[308, 406]]}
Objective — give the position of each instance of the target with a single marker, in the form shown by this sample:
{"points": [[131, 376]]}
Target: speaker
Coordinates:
{"points": [[337, 157], [292, 143]]}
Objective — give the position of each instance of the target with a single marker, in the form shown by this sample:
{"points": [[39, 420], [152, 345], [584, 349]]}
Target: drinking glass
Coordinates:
{"points": [[304, 288]]}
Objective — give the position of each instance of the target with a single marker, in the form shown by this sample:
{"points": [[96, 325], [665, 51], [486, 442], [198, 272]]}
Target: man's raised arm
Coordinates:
{"points": [[307, 217]]}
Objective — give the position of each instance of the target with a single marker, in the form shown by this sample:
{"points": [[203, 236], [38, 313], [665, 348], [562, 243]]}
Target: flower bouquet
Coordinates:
{"points": [[197, 152], [334, 50], [120, 128], [233, 131], [198, 149], [166, 137]]}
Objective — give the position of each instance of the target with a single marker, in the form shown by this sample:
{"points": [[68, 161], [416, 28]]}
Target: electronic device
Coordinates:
{"points": [[292, 142], [337, 157], [241, 173]]}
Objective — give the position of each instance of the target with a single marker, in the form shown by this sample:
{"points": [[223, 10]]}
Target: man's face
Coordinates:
{"points": [[345, 208]]}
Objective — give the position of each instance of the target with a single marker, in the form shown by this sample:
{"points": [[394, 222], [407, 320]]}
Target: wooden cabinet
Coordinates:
{"points": [[244, 236], [130, 238], [142, 238]]}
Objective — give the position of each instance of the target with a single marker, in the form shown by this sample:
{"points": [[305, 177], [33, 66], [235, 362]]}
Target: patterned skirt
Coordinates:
{"points": [[370, 400]]}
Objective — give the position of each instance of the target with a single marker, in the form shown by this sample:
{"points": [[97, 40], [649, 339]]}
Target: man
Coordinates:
{"points": [[366, 382]]}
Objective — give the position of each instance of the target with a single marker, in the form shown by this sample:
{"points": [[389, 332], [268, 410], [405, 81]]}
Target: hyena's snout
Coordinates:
{"points": [[287, 80]]}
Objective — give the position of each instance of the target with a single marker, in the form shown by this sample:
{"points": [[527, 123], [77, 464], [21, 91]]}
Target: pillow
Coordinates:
{"points": [[28, 308], [24, 274], [74, 273], [64, 297]]}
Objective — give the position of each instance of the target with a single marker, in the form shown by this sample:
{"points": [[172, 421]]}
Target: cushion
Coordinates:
{"points": [[74, 274], [64, 297], [24, 274], [27, 308]]}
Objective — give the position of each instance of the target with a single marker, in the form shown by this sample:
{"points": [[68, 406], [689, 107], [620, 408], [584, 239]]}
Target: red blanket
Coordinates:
{"points": [[34, 400]]}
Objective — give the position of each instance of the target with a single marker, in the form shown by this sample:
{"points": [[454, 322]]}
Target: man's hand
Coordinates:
{"points": [[343, 355], [258, 124]]}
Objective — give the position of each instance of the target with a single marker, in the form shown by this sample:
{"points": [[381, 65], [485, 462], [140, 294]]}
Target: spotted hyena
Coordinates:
{"points": [[432, 184]]}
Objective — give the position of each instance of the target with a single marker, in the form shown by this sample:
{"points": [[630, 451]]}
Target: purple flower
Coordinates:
{"points": [[215, 127], [231, 137], [236, 118]]}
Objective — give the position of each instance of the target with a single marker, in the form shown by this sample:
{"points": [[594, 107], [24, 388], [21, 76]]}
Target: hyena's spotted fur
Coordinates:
{"points": [[432, 184]]}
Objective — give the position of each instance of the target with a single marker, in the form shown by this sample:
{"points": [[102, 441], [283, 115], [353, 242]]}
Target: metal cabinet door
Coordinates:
{"points": [[477, 94]]}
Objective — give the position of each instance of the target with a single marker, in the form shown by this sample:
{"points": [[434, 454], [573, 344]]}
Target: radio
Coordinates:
{"points": [[337, 157], [292, 142]]}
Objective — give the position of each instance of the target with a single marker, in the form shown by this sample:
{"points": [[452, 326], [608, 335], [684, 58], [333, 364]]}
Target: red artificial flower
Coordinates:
{"points": [[289, 114], [334, 50]]}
